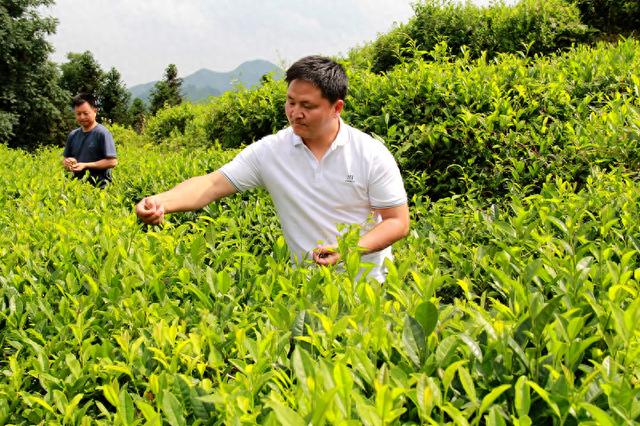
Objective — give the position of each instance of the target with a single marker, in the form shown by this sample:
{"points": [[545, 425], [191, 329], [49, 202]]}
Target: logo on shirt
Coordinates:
{"points": [[349, 179]]}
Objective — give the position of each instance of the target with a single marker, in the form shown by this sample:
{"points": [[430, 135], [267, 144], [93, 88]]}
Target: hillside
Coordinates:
{"points": [[205, 83]]}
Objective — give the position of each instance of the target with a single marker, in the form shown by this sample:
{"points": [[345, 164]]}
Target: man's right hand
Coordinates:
{"points": [[150, 210], [192, 194]]}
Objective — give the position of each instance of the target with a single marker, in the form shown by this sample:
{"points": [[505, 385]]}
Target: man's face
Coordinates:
{"points": [[85, 115], [310, 114]]}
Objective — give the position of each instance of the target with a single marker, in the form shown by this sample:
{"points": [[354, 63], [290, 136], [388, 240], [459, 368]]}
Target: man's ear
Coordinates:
{"points": [[337, 107]]}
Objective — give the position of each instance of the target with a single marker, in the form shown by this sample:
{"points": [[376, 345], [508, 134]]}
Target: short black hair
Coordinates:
{"points": [[81, 98], [326, 74]]}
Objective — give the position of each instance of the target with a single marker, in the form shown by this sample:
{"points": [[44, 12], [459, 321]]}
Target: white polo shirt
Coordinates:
{"points": [[357, 174]]}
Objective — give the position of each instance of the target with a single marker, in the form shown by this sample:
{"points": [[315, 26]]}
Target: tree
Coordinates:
{"points": [[137, 114], [32, 103], [82, 73], [113, 98], [610, 16], [167, 91]]}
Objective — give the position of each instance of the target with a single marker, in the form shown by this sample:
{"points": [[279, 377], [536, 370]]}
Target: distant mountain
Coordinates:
{"points": [[204, 83]]}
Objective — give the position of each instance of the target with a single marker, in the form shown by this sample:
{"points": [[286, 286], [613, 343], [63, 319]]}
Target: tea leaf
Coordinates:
{"points": [[491, 397], [125, 407], [427, 315], [545, 396], [413, 337], [172, 409], [467, 383], [522, 397], [284, 414], [598, 414]]}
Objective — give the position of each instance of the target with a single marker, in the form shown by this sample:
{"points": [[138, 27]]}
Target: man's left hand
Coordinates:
{"points": [[326, 255], [78, 167]]}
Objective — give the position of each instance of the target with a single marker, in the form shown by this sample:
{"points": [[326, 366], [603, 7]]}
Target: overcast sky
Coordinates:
{"points": [[140, 38]]}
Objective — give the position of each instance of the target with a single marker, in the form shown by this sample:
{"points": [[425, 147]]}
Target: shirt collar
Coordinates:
{"points": [[341, 138]]}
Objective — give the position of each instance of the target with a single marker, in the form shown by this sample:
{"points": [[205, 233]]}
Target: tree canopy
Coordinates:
{"points": [[166, 92], [137, 114], [114, 98], [32, 103], [82, 73]]}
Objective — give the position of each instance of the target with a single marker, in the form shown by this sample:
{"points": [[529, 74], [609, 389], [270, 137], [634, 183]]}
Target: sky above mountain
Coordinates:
{"points": [[141, 38]]}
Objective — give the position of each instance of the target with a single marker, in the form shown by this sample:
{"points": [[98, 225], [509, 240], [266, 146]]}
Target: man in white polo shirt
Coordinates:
{"points": [[320, 172]]}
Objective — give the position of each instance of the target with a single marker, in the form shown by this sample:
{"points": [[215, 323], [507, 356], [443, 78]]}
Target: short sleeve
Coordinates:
{"points": [[109, 145], [386, 188], [244, 170]]}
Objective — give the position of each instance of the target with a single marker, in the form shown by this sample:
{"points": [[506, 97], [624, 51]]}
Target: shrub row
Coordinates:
{"points": [[519, 313], [233, 119], [457, 122], [530, 26]]}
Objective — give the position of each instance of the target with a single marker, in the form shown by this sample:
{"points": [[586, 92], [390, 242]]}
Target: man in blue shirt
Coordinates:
{"points": [[90, 150]]}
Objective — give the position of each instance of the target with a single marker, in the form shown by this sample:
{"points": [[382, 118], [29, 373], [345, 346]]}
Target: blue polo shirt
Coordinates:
{"points": [[94, 145]]}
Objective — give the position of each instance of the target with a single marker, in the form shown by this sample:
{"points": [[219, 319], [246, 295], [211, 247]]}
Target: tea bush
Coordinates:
{"points": [[530, 26], [460, 124], [521, 312], [174, 121], [240, 117]]}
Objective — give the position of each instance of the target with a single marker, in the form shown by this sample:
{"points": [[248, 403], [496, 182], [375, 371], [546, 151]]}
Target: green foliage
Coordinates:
{"points": [[233, 119], [522, 312], [459, 124], [137, 114], [544, 262], [242, 116], [610, 16], [32, 104], [177, 122], [530, 26], [82, 73], [114, 98], [166, 93]]}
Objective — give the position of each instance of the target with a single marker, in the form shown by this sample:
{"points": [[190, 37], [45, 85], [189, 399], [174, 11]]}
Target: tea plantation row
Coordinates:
{"points": [[458, 124], [519, 312]]}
